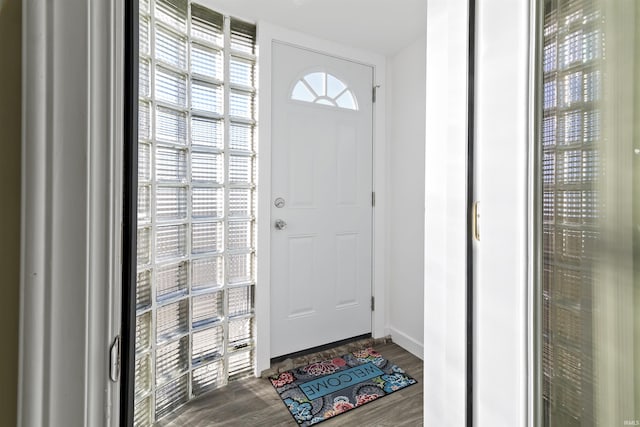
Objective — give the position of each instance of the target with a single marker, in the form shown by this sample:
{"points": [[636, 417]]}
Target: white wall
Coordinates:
{"points": [[406, 130]]}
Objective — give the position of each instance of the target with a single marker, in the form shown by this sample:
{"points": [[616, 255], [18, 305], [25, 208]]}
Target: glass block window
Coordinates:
{"points": [[196, 210], [571, 64]]}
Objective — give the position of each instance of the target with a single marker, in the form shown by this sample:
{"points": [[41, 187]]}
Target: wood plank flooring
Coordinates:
{"points": [[254, 402]]}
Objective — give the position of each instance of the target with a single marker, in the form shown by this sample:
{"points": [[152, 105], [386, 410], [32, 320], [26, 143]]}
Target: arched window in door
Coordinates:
{"points": [[324, 89]]}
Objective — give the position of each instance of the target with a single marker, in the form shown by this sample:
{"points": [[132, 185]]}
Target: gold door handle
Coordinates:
{"points": [[475, 220]]}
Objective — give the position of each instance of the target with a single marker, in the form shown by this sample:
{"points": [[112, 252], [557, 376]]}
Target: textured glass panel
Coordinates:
{"points": [[172, 13], [144, 79], [143, 6], [240, 333], [571, 51], [171, 165], [172, 320], [571, 89], [241, 169], [240, 235], [206, 167], [143, 332], [206, 97], [240, 300], [144, 204], [171, 203], [569, 206], [592, 122], [208, 377], [207, 202], [592, 86], [590, 165], [144, 246], [243, 36], [143, 374], [144, 121], [241, 104], [549, 95], [206, 25], [144, 162], [240, 202], [171, 125], [206, 132], [170, 396], [143, 290], [207, 308], [548, 210], [591, 208], [206, 61], [240, 268], [549, 169], [206, 237], [207, 345], [171, 241], [240, 364], [592, 45], [206, 273], [570, 128], [550, 54], [144, 36], [242, 71], [241, 136], [549, 131], [570, 166], [171, 281], [171, 87], [172, 359], [171, 48], [143, 413]]}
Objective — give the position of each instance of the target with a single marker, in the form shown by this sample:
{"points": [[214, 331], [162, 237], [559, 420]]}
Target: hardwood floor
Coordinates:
{"points": [[254, 402]]}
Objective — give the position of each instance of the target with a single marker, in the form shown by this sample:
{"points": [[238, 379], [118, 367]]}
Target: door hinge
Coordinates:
{"points": [[373, 303], [373, 198], [114, 360], [374, 94]]}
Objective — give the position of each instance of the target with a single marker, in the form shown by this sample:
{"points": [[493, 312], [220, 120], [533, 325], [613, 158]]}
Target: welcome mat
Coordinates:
{"points": [[325, 389]]}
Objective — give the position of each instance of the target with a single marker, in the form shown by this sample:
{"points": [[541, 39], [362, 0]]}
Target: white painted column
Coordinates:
{"points": [[445, 219], [72, 136]]}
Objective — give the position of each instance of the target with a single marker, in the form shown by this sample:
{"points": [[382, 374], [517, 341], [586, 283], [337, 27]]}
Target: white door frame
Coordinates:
{"points": [[267, 33], [72, 98]]}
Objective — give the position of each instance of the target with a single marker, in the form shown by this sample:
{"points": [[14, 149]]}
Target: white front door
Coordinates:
{"points": [[321, 210]]}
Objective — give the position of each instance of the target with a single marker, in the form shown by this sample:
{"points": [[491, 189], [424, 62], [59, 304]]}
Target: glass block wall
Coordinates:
{"points": [[196, 204], [571, 210]]}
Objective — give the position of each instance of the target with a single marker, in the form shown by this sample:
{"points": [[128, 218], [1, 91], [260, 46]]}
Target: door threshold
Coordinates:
{"points": [[319, 348], [323, 352]]}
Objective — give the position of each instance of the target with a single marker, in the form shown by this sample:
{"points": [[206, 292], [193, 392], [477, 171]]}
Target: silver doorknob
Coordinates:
{"points": [[280, 224]]}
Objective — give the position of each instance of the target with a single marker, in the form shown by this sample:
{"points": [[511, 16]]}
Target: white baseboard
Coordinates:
{"points": [[412, 345]]}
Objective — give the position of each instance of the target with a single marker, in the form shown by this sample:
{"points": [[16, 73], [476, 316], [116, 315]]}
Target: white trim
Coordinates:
{"points": [[534, 323], [267, 33], [410, 344], [445, 215], [72, 136], [500, 365]]}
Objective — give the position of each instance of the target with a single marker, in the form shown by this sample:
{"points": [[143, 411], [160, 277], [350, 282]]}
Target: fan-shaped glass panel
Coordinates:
{"points": [[302, 93], [324, 89]]}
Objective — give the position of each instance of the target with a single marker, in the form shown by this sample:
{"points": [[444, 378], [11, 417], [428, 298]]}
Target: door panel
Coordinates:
{"points": [[322, 169]]}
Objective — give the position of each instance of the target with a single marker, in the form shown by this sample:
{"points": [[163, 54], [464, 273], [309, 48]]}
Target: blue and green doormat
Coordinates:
{"points": [[323, 390]]}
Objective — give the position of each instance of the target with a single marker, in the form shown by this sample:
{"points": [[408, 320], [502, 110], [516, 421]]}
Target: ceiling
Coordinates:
{"points": [[381, 26]]}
